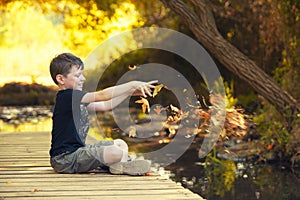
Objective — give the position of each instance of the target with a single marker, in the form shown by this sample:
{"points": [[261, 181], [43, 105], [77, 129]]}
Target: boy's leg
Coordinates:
{"points": [[79, 161], [115, 156], [123, 165], [102, 154], [109, 151], [121, 144]]}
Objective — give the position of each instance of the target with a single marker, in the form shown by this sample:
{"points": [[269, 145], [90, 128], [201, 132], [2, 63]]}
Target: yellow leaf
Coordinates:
{"points": [[174, 108], [132, 131], [145, 104], [132, 67], [157, 89]]}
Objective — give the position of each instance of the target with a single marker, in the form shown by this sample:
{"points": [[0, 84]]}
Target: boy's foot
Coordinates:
{"points": [[135, 167]]}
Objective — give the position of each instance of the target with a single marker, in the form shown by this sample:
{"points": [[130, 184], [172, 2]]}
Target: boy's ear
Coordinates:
{"points": [[60, 79]]}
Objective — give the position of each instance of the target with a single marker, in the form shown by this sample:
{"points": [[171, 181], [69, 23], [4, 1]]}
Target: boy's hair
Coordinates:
{"points": [[62, 64]]}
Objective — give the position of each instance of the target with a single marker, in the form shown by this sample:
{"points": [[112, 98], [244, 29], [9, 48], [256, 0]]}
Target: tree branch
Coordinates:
{"points": [[206, 33], [206, 15]]}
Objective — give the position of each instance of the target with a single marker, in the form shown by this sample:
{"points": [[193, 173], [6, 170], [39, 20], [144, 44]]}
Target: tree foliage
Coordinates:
{"points": [[50, 27]]}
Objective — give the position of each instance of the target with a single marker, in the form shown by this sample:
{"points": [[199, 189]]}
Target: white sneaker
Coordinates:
{"points": [[135, 167]]}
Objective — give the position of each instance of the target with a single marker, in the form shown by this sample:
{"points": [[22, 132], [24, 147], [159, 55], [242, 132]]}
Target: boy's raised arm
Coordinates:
{"points": [[130, 88]]}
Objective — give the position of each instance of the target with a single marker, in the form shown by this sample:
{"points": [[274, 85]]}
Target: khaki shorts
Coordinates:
{"points": [[82, 160]]}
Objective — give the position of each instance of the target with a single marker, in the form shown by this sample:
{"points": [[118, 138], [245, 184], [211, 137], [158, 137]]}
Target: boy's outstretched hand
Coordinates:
{"points": [[141, 88]]}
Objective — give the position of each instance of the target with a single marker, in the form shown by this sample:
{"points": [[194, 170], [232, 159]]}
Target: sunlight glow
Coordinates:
{"points": [[32, 34]]}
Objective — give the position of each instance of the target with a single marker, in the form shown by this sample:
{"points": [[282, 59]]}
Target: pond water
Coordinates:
{"points": [[213, 180], [236, 181]]}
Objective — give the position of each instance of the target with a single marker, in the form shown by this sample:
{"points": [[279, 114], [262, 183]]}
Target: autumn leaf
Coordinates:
{"points": [[132, 131], [157, 89], [145, 104], [184, 115], [204, 114], [132, 67], [174, 108], [170, 119], [172, 132]]}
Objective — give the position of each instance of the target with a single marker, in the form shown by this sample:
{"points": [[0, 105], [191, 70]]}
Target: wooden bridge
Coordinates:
{"points": [[25, 173]]}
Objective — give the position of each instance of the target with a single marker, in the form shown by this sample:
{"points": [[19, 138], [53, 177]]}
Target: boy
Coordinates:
{"points": [[69, 153]]}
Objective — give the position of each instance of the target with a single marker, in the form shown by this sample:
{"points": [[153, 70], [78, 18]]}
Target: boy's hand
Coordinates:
{"points": [[143, 88]]}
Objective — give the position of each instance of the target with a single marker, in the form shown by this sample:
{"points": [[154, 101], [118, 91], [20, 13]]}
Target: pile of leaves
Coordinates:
{"points": [[235, 124]]}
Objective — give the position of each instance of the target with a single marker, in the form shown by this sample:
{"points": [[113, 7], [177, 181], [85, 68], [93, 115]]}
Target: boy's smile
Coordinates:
{"points": [[74, 79]]}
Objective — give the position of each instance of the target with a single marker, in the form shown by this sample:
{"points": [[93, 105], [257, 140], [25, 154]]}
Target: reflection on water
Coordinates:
{"points": [[214, 179], [227, 180], [38, 119], [38, 125], [25, 119]]}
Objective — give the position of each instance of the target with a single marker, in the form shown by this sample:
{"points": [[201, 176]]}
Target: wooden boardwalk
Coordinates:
{"points": [[25, 173]]}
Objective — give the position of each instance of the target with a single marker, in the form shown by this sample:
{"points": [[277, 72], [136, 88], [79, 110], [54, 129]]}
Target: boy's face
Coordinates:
{"points": [[74, 79]]}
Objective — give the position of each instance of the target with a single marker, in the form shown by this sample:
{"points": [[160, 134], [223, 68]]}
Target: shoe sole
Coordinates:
{"points": [[135, 168]]}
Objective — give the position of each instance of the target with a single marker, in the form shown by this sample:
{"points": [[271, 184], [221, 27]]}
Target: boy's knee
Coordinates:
{"points": [[112, 154], [121, 144]]}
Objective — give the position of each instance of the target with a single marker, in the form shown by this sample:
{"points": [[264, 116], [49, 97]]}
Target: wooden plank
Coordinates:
{"points": [[92, 197], [25, 173], [86, 192], [71, 187]]}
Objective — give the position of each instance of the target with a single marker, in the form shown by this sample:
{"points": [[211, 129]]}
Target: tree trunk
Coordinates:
{"points": [[204, 28]]}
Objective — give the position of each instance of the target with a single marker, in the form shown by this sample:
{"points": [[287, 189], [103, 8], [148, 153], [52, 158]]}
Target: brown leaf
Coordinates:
{"points": [[145, 104], [157, 89], [174, 108], [204, 114], [158, 109], [132, 131], [172, 132], [132, 67]]}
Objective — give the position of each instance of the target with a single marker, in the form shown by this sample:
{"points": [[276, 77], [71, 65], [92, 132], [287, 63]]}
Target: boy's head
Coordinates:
{"points": [[62, 65]]}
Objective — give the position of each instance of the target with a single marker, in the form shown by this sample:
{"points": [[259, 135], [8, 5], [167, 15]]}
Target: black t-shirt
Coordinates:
{"points": [[67, 122]]}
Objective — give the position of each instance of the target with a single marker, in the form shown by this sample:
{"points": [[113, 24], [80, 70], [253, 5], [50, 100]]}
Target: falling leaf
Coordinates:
{"points": [[184, 115], [174, 108], [35, 190], [202, 153], [270, 146], [132, 67], [172, 132], [204, 114], [164, 141], [132, 131], [158, 109], [176, 118], [170, 119], [145, 104], [269, 170], [157, 89], [156, 134]]}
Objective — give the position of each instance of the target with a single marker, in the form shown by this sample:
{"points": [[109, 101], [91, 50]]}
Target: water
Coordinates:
{"points": [[236, 181], [221, 180]]}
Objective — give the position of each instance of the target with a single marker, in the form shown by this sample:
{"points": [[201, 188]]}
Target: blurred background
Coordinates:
{"points": [[258, 154]]}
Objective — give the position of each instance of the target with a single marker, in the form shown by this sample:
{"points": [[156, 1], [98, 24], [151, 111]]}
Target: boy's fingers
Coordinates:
{"points": [[152, 82], [143, 92], [148, 92]]}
